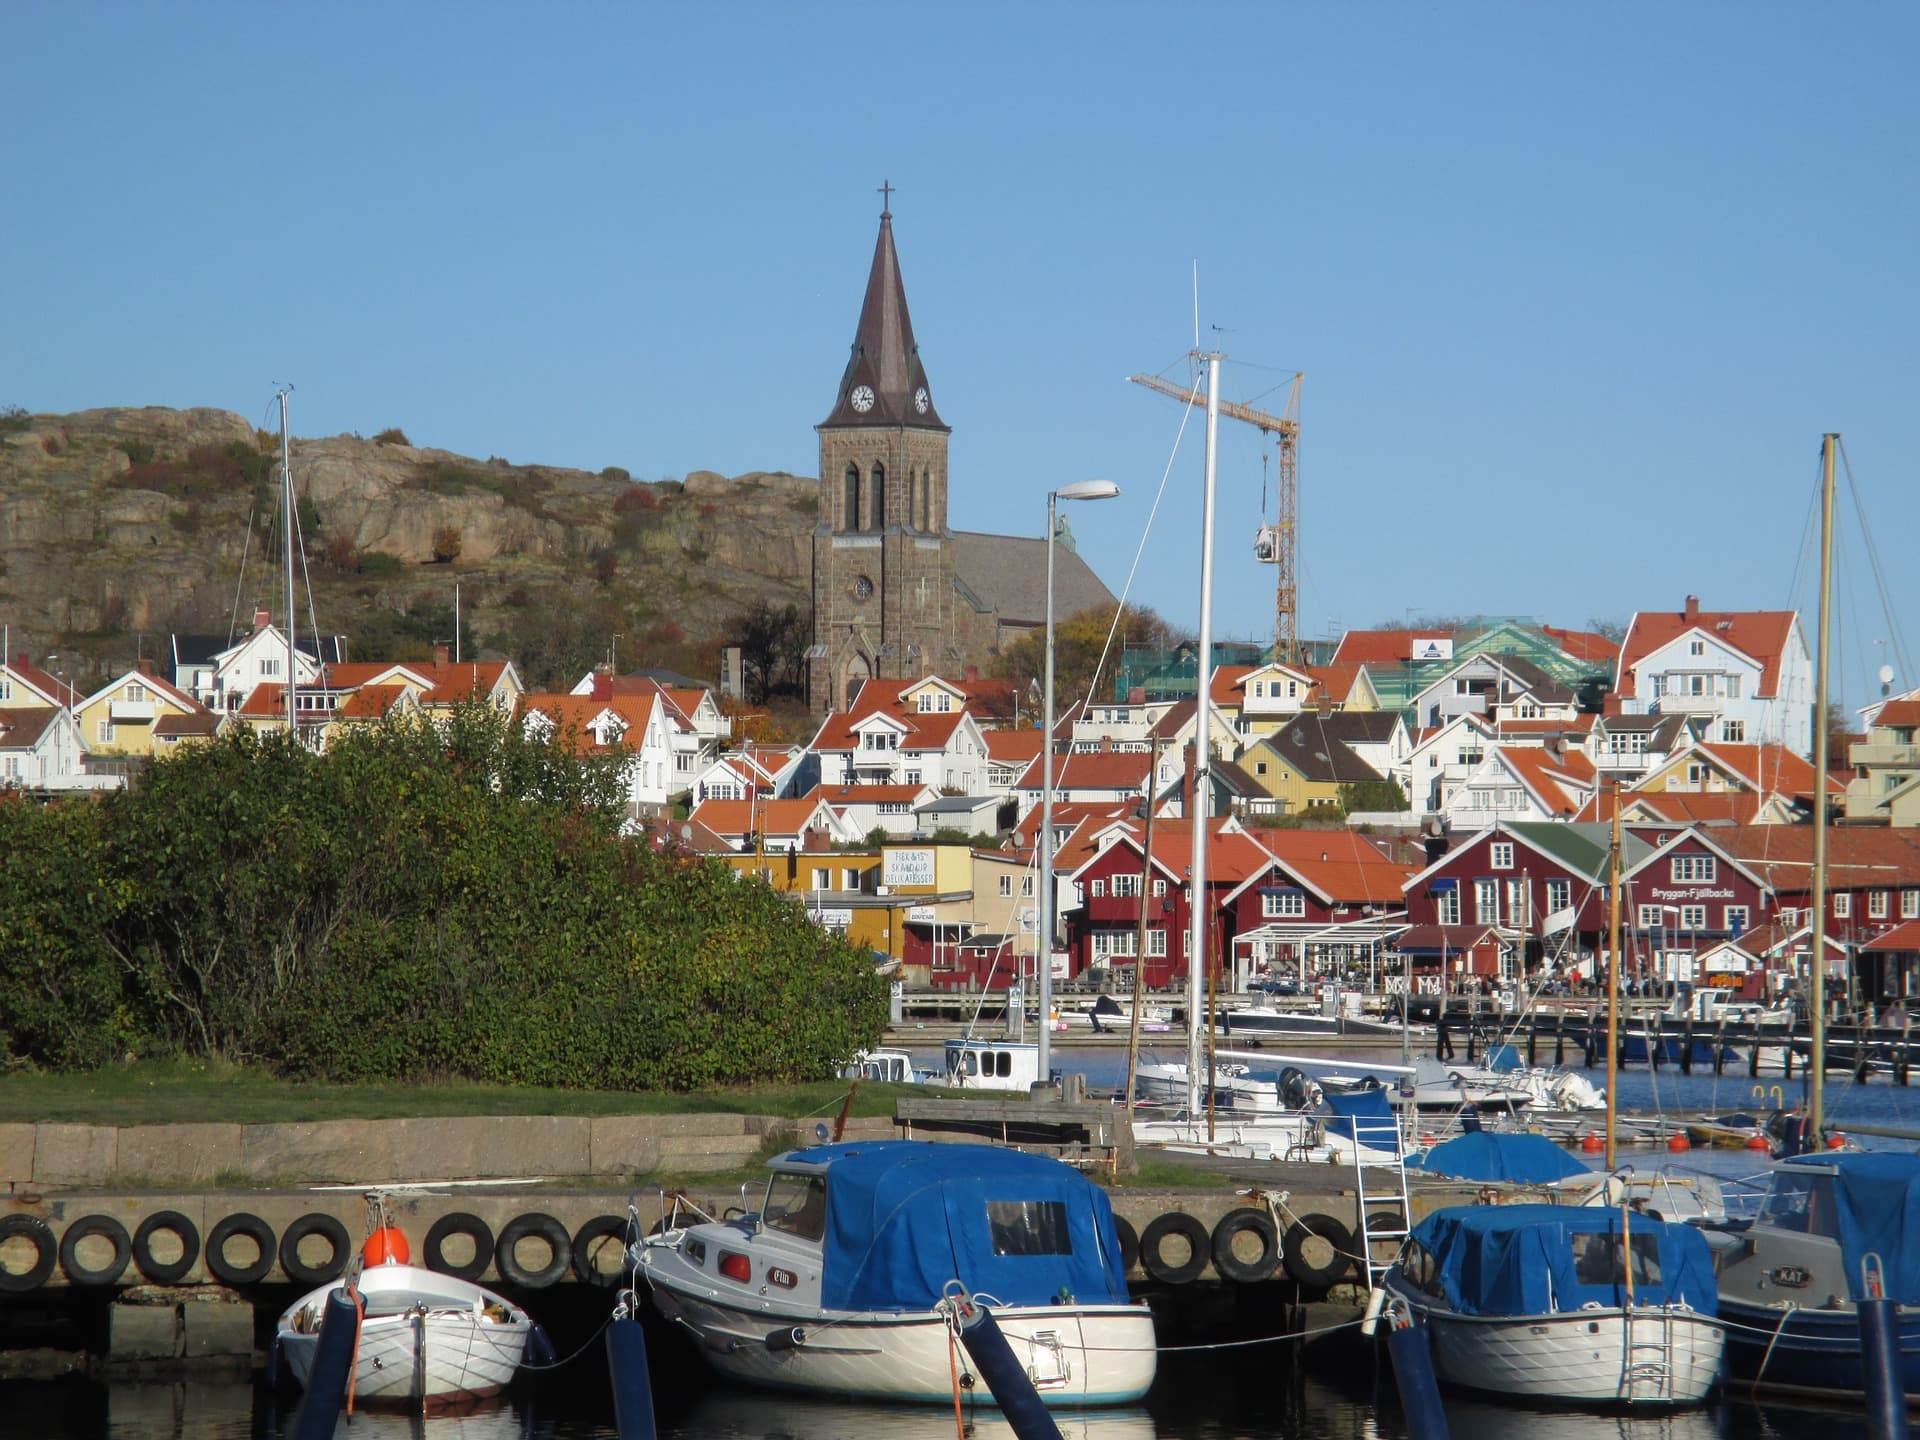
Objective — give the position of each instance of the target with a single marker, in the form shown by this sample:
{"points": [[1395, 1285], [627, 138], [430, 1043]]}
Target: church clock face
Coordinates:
{"points": [[862, 398], [920, 399], [863, 588]]}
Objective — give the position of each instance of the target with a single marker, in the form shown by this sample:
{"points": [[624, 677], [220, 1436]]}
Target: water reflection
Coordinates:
{"points": [[741, 1416]]}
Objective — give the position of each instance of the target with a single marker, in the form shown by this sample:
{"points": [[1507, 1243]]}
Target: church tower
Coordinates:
{"points": [[883, 576]]}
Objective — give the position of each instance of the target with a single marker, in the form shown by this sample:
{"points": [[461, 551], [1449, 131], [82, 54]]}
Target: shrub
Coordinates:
{"points": [[340, 554], [636, 498], [446, 545], [606, 565], [206, 470], [138, 452], [615, 472], [186, 519], [379, 563], [14, 419], [392, 435]]}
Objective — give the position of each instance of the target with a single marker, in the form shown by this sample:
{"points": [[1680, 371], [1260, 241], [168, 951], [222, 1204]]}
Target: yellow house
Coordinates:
{"points": [[1296, 770], [141, 714], [908, 901]]}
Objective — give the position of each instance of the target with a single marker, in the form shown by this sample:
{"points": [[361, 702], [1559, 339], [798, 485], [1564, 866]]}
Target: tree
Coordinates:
{"points": [[773, 647], [446, 545], [1613, 630], [1372, 795], [1077, 644]]}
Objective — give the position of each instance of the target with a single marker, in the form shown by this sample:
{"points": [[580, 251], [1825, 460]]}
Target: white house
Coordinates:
{"points": [[225, 679], [1521, 782], [41, 749], [634, 726], [1495, 687], [1747, 673], [864, 809], [1440, 761]]}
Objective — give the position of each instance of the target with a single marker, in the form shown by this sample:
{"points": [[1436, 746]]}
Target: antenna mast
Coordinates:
{"points": [[286, 482]]}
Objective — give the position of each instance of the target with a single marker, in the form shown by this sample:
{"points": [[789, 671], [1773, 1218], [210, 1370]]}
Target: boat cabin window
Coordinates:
{"points": [[982, 1062], [1416, 1263], [1597, 1259], [1029, 1227], [796, 1205], [1801, 1201]]}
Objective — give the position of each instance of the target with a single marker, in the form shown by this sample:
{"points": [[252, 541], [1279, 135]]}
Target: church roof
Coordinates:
{"points": [[885, 358], [1009, 575]]}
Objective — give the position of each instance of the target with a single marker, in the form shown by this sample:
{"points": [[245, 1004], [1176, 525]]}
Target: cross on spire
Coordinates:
{"points": [[886, 196]]}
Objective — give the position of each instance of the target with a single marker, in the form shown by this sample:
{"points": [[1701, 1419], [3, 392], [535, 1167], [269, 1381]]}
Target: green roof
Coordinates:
{"points": [[1581, 847]]}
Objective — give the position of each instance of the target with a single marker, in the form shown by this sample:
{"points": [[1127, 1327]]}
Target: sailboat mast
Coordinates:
{"points": [[1613, 974], [1202, 755], [1817, 1072], [286, 482]]}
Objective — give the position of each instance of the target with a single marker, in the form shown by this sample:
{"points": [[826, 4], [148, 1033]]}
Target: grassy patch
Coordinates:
{"points": [[162, 1092], [1157, 1174]]}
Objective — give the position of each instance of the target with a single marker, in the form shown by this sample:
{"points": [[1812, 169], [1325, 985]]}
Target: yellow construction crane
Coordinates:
{"points": [[1276, 544]]}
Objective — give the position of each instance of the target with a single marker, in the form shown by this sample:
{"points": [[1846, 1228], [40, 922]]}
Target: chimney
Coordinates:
{"points": [[441, 654], [1324, 703], [143, 665], [1137, 695], [971, 674], [1106, 744], [1692, 611], [261, 619], [21, 660], [602, 683], [1610, 704]]}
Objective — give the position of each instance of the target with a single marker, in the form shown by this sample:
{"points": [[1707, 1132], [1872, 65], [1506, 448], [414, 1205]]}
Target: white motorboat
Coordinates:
{"points": [[1564, 1303], [839, 1285], [884, 1066], [1108, 1016], [1234, 1085], [427, 1342], [991, 1065]]}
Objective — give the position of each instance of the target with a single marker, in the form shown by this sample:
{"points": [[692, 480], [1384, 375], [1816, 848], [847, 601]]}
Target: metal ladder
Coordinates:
{"points": [[1381, 1134], [1648, 1362]]}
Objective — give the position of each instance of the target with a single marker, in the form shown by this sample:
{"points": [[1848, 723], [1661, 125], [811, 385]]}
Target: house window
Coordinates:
{"points": [[1126, 886], [1733, 732], [1649, 917], [103, 732], [1876, 904], [1486, 902], [269, 665], [1697, 647], [6, 688], [849, 879], [1026, 884], [1259, 767], [1160, 886], [850, 499], [1157, 944], [1519, 912], [1694, 869], [136, 694], [1737, 917], [13, 767], [913, 777], [1842, 905], [1283, 905], [1693, 917], [1696, 773], [823, 879], [1097, 889], [1500, 855], [1447, 906], [1910, 904], [1559, 894], [1006, 885]]}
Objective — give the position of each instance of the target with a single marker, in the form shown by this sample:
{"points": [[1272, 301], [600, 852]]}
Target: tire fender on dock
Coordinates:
{"points": [[315, 1222], [544, 1227], [253, 1228], [458, 1222], [35, 1230], [1154, 1238], [1316, 1250], [87, 1227], [173, 1222], [1244, 1221]]}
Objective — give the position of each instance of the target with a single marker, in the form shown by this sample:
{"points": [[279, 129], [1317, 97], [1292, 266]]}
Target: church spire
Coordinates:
{"points": [[884, 382]]}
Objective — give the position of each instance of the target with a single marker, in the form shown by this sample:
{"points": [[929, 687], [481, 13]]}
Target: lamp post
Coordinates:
{"points": [[1043, 939]]}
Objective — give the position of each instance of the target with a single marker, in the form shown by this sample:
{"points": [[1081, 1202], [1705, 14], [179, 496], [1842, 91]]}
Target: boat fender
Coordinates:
{"points": [[1226, 1259], [36, 1231], [340, 1248], [587, 1240], [105, 1227], [1129, 1239], [1413, 1377], [1153, 1244], [1006, 1377], [1316, 1249], [331, 1369], [789, 1337], [632, 1379], [540, 1349], [256, 1230], [1376, 1301], [166, 1272], [273, 1364], [506, 1258], [458, 1222]]}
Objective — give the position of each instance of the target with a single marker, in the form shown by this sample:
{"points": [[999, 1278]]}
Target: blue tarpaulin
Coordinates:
{"points": [[906, 1216], [1545, 1259], [1523, 1159], [1877, 1196], [1368, 1111], [1503, 1059]]}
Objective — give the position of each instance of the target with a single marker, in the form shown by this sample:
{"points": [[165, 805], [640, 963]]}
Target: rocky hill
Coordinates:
{"points": [[118, 526]]}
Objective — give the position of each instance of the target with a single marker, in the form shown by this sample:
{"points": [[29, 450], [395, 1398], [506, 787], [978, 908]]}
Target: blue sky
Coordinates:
{"points": [[1575, 288]]}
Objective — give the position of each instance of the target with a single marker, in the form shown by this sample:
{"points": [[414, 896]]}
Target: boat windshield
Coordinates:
{"points": [[1801, 1200], [1029, 1227], [796, 1205], [979, 1062], [1597, 1259]]}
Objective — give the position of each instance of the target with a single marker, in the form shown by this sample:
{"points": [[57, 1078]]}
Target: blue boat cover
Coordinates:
{"points": [[906, 1216], [1877, 1194], [1371, 1112], [1524, 1159], [1502, 1059], [1524, 1259]]}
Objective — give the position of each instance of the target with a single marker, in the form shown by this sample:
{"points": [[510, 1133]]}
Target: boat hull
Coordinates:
{"points": [[1816, 1352], [1079, 1355], [1579, 1358]]}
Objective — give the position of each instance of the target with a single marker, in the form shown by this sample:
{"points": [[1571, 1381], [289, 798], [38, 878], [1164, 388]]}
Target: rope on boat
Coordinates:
{"points": [[1779, 1330], [555, 1365]]}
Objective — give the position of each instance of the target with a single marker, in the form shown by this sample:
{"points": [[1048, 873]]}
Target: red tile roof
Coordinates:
{"points": [[1769, 768], [1583, 644], [1070, 813], [52, 687], [1010, 747], [573, 713], [1678, 807], [733, 818], [1122, 770], [1561, 782], [1382, 647], [1858, 856], [1336, 680], [838, 795], [1760, 635], [1905, 936], [1900, 714], [21, 728], [268, 701], [1225, 683], [1340, 864], [369, 702]]}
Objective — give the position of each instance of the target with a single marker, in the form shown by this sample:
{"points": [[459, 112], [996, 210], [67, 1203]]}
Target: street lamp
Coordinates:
{"points": [[1043, 941]]}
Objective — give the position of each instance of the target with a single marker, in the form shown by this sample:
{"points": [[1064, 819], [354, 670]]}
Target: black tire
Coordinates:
{"points": [[256, 1230], [1317, 1250], [156, 1271], [1129, 1243], [19, 1282], [1240, 1222], [459, 1222], [108, 1229], [600, 1227], [315, 1222], [1174, 1222], [546, 1228]]}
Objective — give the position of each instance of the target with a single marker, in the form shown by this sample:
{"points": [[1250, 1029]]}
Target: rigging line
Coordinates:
{"points": [[1093, 684], [1896, 636], [300, 548], [246, 546]]}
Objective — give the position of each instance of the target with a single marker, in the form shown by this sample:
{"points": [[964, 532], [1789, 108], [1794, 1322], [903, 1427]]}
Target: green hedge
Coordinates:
{"points": [[417, 902]]}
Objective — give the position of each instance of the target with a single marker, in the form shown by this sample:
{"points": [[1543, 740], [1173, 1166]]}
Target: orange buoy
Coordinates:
{"points": [[1677, 1142], [1592, 1143], [1758, 1142], [1836, 1142], [387, 1246]]}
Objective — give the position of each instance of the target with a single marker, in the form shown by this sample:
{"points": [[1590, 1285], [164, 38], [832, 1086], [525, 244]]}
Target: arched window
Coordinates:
{"points": [[913, 499], [850, 502], [926, 500], [879, 486]]}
